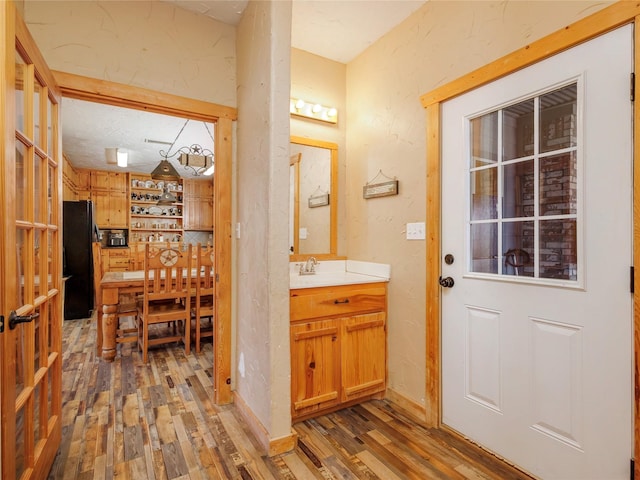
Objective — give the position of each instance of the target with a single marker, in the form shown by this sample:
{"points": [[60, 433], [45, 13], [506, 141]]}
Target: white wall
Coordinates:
{"points": [[386, 130], [262, 305], [147, 44]]}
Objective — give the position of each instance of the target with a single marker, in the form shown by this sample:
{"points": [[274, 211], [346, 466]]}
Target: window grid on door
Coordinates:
{"points": [[523, 188]]}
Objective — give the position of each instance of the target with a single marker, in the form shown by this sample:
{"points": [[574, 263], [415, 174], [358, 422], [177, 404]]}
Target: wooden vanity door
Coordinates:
{"points": [[30, 256], [364, 359], [315, 366]]}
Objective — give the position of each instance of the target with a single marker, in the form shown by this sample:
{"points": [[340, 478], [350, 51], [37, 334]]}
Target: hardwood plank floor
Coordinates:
{"points": [[134, 421]]}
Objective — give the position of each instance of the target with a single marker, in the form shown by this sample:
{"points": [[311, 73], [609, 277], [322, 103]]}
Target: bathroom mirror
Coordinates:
{"points": [[313, 203]]}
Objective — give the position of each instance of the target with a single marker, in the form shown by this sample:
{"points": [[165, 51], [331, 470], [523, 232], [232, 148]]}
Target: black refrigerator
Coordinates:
{"points": [[78, 231]]}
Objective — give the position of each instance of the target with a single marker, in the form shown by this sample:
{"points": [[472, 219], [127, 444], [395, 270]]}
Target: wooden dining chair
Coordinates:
{"points": [[126, 305], [202, 305], [166, 298]]}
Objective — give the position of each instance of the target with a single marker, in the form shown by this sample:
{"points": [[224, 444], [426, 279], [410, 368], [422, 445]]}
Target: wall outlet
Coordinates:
{"points": [[416, 231]]}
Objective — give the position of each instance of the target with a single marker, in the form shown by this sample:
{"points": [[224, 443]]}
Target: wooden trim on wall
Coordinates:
{"points": [[432, 296], [222, 187], [636, 254], [121, 95], [600, 22], [603, 21]]}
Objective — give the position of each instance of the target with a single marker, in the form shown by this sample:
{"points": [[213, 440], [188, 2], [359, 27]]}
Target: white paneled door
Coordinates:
{"points": [[537, 248]]}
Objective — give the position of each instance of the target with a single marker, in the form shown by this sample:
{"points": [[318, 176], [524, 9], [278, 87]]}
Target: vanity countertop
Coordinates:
{"points": [[339, 272]]}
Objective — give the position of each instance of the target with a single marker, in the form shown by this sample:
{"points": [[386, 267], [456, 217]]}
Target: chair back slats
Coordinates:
{"points": [[167, 274], [204, 301]]}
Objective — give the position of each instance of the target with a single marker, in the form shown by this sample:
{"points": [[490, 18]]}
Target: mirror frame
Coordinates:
{"points": [[333, 204]]}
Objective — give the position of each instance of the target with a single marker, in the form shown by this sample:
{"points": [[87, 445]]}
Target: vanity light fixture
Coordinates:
{"points": [[316, 111]]}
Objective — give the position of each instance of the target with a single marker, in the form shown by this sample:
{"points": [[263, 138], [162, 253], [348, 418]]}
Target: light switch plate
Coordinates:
{"points": [[416, 231]]}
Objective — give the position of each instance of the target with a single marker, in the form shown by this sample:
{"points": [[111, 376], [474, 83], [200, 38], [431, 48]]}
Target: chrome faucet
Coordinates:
{"points": [[309, 267]]}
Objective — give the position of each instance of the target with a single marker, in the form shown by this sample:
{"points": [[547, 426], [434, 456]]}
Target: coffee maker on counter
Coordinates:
{"points": [[116, 238]]}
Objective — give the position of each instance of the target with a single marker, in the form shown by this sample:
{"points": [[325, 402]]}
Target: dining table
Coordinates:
{"points": [[114, 284]]}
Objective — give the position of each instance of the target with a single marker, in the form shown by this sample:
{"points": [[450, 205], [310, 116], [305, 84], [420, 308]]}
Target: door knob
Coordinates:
{"points": [[15, 319], [446, 282]]}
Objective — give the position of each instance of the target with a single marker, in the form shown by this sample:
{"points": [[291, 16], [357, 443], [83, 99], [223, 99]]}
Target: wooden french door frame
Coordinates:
{"points": [[30, 254], [102, 91], [605, 20]]}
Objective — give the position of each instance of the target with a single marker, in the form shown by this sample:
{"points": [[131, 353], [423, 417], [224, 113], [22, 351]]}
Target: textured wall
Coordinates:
{"points": [[262, 305], [386, 131], [148, 44], [321, 80]]}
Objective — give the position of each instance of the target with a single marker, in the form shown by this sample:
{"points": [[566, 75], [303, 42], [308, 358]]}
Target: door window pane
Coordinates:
{"points": [[21, 182], [558, 249], [37, 130], [559, 184], [518, 243], [558, 111], [20, 443], [21, 70], [484, 194], [523, 197], [518, 199], [518, 130], [484, 247], [50, 146], [484, 139], [37, 189]]}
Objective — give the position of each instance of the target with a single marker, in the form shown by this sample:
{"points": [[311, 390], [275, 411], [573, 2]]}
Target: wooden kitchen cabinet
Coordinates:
{"points": [[198, 205], [109, 194], [115, 259], [338, 346], [110, 208]]}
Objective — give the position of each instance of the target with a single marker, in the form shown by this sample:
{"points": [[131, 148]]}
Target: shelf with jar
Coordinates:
{"points": [[149, 221]]}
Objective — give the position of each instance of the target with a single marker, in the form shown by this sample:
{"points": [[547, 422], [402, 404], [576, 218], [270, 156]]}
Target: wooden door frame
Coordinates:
{"points": [[607, 19], [110, 93]]}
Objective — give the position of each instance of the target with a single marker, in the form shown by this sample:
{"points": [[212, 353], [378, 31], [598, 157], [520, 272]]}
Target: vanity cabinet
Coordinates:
{"points": [[338, 346]]}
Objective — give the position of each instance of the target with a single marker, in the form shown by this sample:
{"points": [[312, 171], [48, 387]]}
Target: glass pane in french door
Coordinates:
{"points": [[524, 195]]}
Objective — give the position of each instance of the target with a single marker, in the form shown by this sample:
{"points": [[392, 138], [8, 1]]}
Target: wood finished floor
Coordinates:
{"points": [[127, 420]]}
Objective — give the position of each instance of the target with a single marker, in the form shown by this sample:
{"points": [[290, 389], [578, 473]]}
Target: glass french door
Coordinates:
{"points": [[31, 285]]}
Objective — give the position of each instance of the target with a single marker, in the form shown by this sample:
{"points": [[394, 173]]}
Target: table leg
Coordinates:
{"points": [[109, 323]]}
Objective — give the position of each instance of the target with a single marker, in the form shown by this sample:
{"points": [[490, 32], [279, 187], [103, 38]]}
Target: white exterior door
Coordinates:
{"points": [[537, 327]]}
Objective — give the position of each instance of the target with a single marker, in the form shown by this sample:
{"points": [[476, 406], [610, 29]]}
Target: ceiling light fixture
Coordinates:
{"points": [[316, 111], [122, 158], [115, 156], [193, 157]]}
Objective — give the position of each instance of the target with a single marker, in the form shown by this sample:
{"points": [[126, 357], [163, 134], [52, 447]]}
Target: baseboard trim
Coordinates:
{"points": [[270, 446], [410, 407]]}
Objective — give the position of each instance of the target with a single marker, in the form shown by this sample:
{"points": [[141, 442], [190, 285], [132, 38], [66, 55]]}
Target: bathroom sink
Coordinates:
{"points": [[340, 272]]}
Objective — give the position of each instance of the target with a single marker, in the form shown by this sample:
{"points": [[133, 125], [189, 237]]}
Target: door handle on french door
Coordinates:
{"points": [[446, 282], [15, 319]]}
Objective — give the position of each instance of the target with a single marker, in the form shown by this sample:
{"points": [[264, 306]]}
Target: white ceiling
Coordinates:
{"points": [[334, 29]]}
